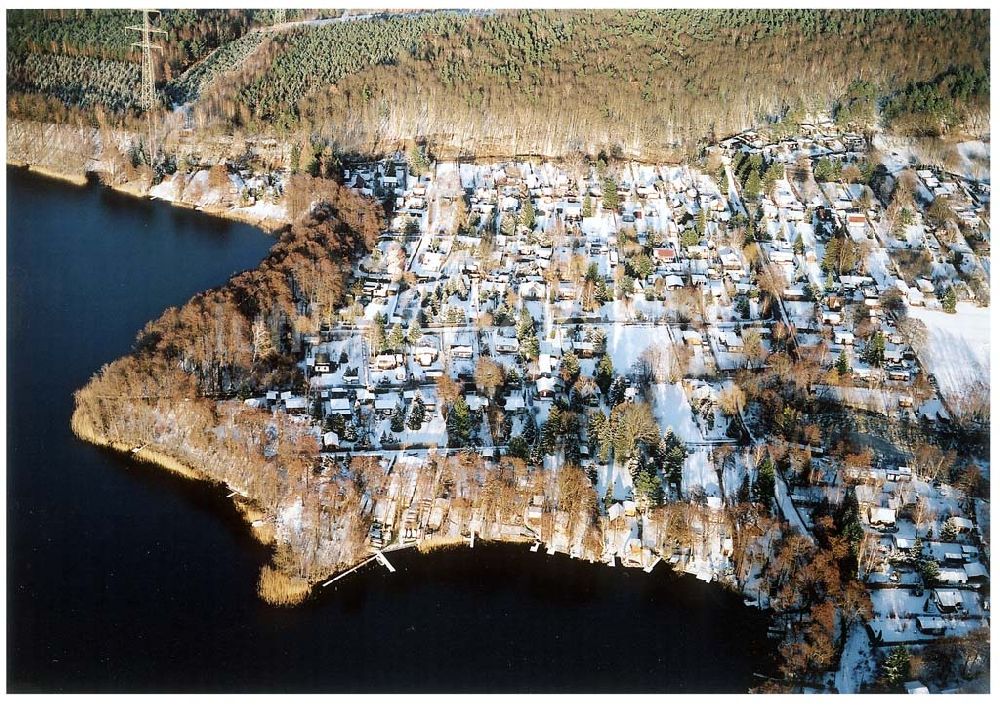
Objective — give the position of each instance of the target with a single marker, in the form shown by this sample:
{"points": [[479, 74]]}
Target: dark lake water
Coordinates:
{"points": [[122, 577]]}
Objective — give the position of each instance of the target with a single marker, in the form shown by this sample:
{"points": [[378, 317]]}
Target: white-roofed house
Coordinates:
{"points": [[881, 516], [547, 387]]}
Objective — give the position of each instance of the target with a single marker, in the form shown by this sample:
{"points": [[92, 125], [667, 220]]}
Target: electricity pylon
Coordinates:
{"points": [[147, 91]]}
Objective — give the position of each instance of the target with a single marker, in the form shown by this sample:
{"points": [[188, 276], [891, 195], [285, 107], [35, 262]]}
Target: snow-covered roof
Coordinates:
{"points": [[881, 515], [546, 384], [948, 598]]}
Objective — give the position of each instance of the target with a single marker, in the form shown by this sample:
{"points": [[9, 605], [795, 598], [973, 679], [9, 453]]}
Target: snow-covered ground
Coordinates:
{"points": [[976, 159], [699, 471], [626, 344], [857, 662], [672, 410], [957, 351], [265, 210]]}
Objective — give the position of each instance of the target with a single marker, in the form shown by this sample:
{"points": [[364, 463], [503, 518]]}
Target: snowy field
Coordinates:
{"points": [[626, 344], [673, 411], [699, 472], [957, 351]]}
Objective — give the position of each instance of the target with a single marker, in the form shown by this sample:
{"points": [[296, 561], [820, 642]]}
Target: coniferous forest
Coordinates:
{"points": [[502, 82]]}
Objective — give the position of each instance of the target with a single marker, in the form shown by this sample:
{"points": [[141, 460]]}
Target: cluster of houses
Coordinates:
{"points": [[923, 563], [544, 268], [539, 238]]}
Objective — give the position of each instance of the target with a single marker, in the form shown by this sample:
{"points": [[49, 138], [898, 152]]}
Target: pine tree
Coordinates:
{"points": [[551, 429], [529, 347], [610, 200], [929, 570], [419, 163], [517, 447], [674, 455], [616, 392], [525, 324], [648, 488], [596, 426], [413, 333], [570, 368], [604, 374], [774, 172], [396, 338], [418, 414], [601, 292], [896, 667], [378, 335], [398, 422], [843, 367], [752, 188], [507, 224], [588, 207], [764, 485], [459, 424], [875, 349], [530, 430], [528, 214], [949, 301]]}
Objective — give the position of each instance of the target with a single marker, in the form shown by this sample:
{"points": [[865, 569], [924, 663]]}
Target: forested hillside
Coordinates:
{"points": [[84, 58], [554, 82], [191, 34]]}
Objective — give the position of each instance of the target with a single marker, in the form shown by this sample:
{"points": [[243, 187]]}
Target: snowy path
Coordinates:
{"points": [[734, 195], [856, 663], [787, 508]]}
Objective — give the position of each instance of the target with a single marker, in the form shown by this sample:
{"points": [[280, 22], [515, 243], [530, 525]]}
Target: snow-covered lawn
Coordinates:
{"points": [[857, 662], [672, 410], [265, 210], [699, 471], [626, 344], [957, 351]]}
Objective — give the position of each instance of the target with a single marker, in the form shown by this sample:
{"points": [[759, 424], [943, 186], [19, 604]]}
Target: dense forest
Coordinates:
{"points": [[84, 58], [554, 81], [514, 81], [191, 34]]}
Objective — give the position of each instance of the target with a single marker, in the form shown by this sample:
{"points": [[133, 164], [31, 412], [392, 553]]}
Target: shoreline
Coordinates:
{"points": [[69, 177], [256, 519], [129, 189], [275, 587], [85, 432]]}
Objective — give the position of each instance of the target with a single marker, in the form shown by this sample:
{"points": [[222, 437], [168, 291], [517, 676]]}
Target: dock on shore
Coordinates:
{"points": [[384, 561]]}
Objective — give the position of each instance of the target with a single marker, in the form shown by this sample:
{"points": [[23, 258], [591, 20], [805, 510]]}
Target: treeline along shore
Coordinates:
{"points": [[175, 399]]}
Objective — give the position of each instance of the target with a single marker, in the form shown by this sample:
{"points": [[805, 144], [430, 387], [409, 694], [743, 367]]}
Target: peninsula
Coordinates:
{"points": [[687, 323]]}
